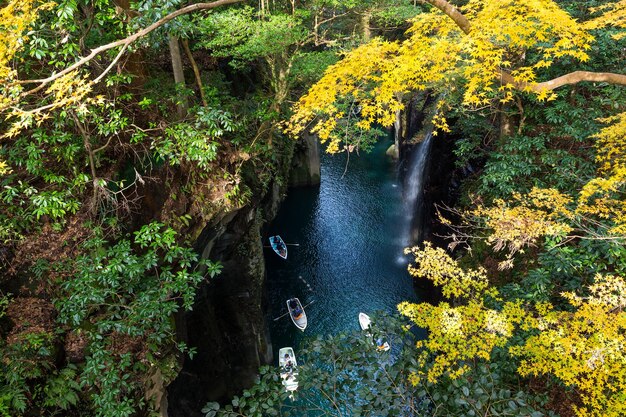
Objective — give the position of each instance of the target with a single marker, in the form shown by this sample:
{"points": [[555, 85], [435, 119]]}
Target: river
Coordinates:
{"points": [[349, 254]]}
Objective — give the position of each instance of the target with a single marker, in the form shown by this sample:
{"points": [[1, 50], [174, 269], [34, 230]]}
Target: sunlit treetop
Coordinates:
{"points": [[597, 211], [483, 49], [612, 14], [16, 17], [525, 220], [581, 346], [436, 265]]}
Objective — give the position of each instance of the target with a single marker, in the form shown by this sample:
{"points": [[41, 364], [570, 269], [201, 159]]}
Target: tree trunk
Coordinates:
{"points": [[179, 77], [92, 164], [508, 122], [365, 23], [196, 71]]}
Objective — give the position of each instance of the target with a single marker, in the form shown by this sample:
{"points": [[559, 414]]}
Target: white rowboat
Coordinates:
{"points": [[288, 368], [297, 314]]}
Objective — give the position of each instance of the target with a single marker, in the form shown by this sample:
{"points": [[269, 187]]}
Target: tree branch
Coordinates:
{"points": [[196, 71], [567, 79], [125, 42], [572, 78], [453, 13]]}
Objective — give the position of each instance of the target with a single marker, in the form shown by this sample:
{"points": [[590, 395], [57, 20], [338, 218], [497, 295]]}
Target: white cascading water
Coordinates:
{"points": [[414, 192]]}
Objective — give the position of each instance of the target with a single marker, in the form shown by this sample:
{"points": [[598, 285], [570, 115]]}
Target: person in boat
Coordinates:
{"points": [[380, 343], [280, 246], [295, 307], [296, 310]]}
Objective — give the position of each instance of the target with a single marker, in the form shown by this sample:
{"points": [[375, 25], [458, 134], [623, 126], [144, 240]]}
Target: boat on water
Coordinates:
{"points": [[366, 323], [288, 368], [297, 314], [279, 246]]}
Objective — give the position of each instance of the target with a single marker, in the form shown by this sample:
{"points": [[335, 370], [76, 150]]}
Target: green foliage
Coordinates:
{"points": [[513, 168], [195, 143], [345, 374], [26, 360], [262, 399], [61, 389], [133, 288], [489, 389], [242, 36], [308, 67], [567, 268]]}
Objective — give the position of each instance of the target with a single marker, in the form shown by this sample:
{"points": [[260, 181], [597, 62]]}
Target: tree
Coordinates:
{"points": [[578, 347], [516, 41], [65, 87]]}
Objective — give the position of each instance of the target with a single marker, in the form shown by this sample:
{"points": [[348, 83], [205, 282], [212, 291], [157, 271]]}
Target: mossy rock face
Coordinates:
{"points": [[227, 325]]}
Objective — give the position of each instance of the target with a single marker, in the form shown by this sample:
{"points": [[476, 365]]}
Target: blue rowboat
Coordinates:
{"points": [[279, 246]]}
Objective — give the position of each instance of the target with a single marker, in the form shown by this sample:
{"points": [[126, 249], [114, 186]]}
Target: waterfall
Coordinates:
{"points": [[414, 192]]}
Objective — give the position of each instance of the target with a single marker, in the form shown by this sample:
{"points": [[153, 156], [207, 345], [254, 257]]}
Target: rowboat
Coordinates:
{"points": [[279, 246], [366, 323], [288, 368], [297, 314]]}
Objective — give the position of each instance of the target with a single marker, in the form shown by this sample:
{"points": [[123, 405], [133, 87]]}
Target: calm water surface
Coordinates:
{"points": [[349, 257]]}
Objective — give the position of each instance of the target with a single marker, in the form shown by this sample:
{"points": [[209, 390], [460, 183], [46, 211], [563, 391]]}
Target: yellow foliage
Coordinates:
{"points": [[584, 349], [68, 90], [438, 55], [600, 204], [16, 16], [611, 14], [603, 196], [515, 225], [436, 265], [457, 335], [608, 290], [4, 168], [363, 66]]}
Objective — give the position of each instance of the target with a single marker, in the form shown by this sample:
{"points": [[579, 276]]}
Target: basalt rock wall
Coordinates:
{"points": [[227, 326], [306, 162]]}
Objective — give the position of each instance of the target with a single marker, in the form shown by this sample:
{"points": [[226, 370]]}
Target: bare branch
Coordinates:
{"points": [[567, 79], [106, 71], [453, 13], [125, 42]]}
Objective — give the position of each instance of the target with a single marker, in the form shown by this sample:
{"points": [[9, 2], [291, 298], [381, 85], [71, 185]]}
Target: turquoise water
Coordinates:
{"points": [[349, 257]]}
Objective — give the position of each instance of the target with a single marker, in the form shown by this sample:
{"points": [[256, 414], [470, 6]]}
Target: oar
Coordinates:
{"points": [[288, 244], [280, 317]]}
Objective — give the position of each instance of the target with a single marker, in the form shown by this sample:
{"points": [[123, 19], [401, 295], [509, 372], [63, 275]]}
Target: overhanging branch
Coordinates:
{"points": [[572, 78], [123, 42]]}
